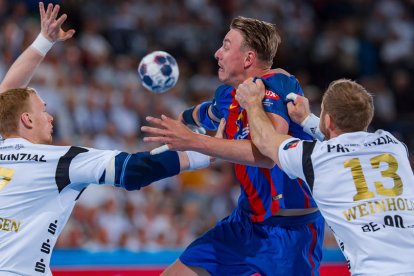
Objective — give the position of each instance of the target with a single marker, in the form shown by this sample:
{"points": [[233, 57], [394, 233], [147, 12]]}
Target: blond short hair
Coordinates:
{"points": [[13, 103], [260, 36], [349, 104]]}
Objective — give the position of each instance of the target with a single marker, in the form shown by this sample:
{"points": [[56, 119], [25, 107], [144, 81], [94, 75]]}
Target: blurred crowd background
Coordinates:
{"points": [[91, 87]]}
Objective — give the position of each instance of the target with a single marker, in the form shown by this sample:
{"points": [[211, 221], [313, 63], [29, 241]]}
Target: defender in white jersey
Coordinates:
{"points": [[362, 182], [40, 183], [39, 186]]}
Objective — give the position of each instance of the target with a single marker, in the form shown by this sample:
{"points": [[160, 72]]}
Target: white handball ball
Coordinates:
{"points": [[158, 71]]}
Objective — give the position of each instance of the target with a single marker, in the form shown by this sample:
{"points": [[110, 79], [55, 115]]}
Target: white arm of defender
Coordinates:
{"points": [[110, 172], [290, 158]]}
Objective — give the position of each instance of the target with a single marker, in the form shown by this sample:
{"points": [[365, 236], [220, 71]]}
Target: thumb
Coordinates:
{"points": [[290, 106], [220, 129], [67, 35], [260, 84]]}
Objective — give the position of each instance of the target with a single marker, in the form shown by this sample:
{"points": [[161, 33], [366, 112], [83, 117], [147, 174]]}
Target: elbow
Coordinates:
{"points": [[266, 150], [268, 163], [130, 186], [264, 161], [261, 159]]}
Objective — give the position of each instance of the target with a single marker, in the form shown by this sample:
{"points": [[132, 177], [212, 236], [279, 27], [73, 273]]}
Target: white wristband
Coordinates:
{"points": [[42, 44], [311, 126], [197, 160], [160, 149]]}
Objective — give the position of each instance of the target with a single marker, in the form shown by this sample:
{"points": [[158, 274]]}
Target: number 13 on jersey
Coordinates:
{"points": [[363, 191]]}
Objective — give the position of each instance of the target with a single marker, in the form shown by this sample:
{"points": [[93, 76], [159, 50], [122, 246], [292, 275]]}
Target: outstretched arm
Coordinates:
{"points": [[22, 70], [265, 137], [179, 137], [134, 171]]}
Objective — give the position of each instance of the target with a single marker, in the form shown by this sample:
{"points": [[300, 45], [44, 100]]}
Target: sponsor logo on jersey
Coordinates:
{"points": [[277, 197], [9, 225], [382, 140], [23, 157], [242, 130], [18, 146], [337, 148], [244, 133], [291, 144], [271, 95], [233, 106], [379, 206]]}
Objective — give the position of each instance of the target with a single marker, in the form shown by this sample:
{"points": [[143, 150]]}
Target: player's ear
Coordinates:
{"points": [[329, 122], [249, 59], [26, 120]]}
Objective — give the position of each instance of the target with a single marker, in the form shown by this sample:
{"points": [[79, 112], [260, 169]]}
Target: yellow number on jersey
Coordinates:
{"points": [[6, 175], [359, 179], [390, 172], [363, 191]]}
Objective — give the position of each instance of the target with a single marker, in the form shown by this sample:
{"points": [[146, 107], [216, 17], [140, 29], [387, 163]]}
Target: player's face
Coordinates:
{"points": [[231, 59], [42, 121]]}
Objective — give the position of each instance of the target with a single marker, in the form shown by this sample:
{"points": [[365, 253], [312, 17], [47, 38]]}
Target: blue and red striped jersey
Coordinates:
{"points": [[263, 191]]}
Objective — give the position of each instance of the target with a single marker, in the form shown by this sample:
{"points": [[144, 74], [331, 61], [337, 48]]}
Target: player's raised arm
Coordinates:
{"points": [[250, 95], [22, 70]]}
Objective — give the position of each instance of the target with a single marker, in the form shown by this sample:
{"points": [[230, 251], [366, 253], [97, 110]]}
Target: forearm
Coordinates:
{"points": [[22, 70], [202, 111], [263, 134], [235, 151], [134, 171], [192, 160]]}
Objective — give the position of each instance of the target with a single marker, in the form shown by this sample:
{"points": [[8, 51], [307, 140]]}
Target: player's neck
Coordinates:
{"points": [[256, 72], [259, 72], [335, 132], [10, 136]]}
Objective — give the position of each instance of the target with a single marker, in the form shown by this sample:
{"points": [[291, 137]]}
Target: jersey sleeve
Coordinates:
{"points": [[290, 158], [216, 105], [277, 88], [204, 118], [295, 158], [134, 171], [84, 165]]}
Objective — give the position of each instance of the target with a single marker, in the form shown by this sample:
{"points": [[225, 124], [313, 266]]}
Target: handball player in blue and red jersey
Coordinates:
{"points": [[276, 228]]}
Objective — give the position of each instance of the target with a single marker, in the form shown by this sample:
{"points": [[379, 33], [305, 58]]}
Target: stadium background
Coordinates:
{"points": [[92, 90]]}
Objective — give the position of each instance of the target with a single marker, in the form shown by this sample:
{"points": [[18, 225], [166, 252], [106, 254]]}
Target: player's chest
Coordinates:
{"points": [[237, 126]]}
